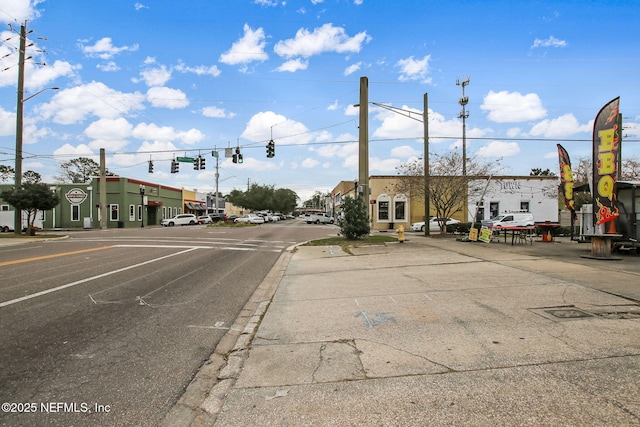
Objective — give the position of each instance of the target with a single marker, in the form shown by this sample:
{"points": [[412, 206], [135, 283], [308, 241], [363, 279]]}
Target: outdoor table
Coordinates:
{"points": [[546, 228], [522, 233]]}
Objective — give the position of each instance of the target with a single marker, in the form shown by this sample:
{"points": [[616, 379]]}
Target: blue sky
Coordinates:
{"points": [[157, 79]]}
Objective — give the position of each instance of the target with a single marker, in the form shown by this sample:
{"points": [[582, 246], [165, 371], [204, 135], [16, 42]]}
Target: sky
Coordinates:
{"points": [[160, 79]]}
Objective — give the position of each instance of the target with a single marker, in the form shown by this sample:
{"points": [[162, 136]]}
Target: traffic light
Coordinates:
{"points": [[271, 149], [175, 166], [240, 158], [150, 166], [202, 161], [237, 157], [234, 158], [196, 163]]}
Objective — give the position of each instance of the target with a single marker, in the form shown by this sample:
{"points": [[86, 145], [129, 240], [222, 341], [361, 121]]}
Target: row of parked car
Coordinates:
{"points": [[252, 218]]}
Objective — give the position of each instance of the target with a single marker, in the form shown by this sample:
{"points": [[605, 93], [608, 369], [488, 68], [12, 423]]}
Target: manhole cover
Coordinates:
{"points": [[568, 313]]}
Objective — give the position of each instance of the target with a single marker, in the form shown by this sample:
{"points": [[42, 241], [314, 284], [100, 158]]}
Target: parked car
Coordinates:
{"points": [[204, 219], [217, 217], [318, 218], [182, 219], [250, 218], [231, 218], [519, 219], [434, 224]]}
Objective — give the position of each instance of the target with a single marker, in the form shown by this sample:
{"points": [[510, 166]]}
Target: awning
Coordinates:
{"points": [[189, 205]]}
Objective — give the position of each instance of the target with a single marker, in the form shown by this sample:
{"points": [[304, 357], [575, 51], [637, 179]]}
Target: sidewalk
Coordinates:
{"points": [[436, 332]]}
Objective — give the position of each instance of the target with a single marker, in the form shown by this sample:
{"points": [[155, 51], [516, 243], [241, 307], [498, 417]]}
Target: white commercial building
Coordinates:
{"points": [[496, 195]]}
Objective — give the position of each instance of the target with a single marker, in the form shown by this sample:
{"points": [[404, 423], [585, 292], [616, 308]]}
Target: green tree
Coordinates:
{"points": [[355, 223], [31, 198], [264, 197], [448, 188], [7, 174], [284, 200], [540, 172], [79, 170]]}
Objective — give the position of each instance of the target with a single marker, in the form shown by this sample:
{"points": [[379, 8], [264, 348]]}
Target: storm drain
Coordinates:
{"points": [[562, 313], [629, 311]]}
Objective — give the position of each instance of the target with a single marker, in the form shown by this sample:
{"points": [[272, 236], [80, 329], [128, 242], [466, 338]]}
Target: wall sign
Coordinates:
{"points": [[76, 196]]}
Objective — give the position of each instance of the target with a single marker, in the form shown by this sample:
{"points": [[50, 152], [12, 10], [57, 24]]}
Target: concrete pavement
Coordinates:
{"points": [[430, 332]]}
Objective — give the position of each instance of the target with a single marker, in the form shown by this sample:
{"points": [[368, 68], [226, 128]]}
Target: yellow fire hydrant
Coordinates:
{"points": [[400, 231]]}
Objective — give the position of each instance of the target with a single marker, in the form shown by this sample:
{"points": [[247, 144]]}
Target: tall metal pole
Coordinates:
{"points": [[363, 138], [17, 215], [217, 177], [464, 100], [427, 192]]}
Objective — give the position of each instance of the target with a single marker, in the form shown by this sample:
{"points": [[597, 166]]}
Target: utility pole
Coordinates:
{"points": [[427, 193], [103, 190], [464, 100], [17, 215], [217, 177], [363, 138]]}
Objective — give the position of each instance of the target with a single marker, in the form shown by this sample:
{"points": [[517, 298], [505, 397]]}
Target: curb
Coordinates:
{"points": [[204, 397]]}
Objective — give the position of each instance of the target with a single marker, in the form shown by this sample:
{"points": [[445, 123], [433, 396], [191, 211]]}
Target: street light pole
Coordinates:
{"points": [[141, 206], [17, 215]]}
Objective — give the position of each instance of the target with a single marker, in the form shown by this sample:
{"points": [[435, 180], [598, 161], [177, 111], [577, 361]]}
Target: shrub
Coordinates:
{"points": [[355, 223]]}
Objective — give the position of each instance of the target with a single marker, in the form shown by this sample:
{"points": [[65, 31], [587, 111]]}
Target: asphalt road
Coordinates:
{"points": [[109, 327]]}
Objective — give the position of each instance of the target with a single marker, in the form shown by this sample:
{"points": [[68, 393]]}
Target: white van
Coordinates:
{"points": [[523, 219]]}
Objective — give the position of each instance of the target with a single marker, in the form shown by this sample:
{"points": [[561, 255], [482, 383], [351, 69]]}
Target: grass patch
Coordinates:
{"points": [[222, 224], [345, 243]]}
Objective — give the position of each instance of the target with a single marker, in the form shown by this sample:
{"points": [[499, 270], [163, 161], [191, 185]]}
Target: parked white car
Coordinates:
{"points": [[182, 219], [250, 218], [434, 225]]}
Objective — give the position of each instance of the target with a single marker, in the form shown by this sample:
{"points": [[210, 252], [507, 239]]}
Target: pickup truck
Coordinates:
{"points": [[318, 218]]}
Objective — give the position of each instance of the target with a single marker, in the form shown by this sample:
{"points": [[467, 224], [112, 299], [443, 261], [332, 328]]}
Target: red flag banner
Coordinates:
{"points": [[566, 178], [606, 143]]}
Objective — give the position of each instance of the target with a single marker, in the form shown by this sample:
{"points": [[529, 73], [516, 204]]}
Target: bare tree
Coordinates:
{"points": [[448, 188]]}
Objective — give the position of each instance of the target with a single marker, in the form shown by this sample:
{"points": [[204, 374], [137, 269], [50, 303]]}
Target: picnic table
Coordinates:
{"points": [[519, 234]]}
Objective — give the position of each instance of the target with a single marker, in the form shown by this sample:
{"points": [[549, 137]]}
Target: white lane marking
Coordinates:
{"points": [[88, 279]]}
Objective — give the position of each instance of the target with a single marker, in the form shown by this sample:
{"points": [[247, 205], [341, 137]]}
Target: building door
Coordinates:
{"points": [[152, 215]]}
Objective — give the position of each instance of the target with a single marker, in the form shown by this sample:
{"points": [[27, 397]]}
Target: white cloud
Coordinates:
{"points": [[104, 49], [167, 98], [352, 68], [7, 122], [512, 107], [414, 69], [499, 149], [261, 125], [562, 126], [139, 6], [550, 42], [68, 151], [404, 151], [156, 76], [153, 132], [334, 106], [309, 163], [323, 39], [200, 70], [69, 106], [217, 113], [248, 49], [18, 11], [112, 133], [293, 65], [383, 165], [110, 66]]}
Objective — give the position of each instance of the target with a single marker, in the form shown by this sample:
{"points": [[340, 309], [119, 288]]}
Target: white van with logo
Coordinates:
{"points": [[520, 219]]}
